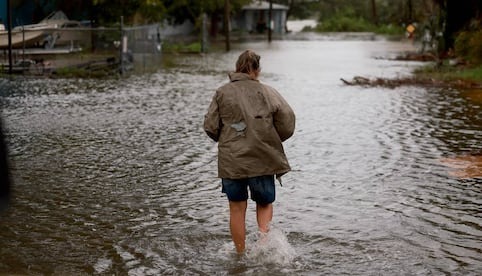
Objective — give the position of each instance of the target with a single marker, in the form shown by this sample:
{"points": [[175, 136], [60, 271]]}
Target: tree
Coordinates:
{"points": [[152, 10], [227, 11], [300, 9], [192, 10], [109, 11], [455, 15], [374, 12]]}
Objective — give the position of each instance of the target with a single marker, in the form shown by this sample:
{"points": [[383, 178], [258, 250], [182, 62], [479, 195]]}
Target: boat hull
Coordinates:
{"points": [[27, 38]]}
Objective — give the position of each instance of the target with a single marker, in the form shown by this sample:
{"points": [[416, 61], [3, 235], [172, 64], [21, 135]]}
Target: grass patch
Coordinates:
{"points": [[73, 72], [451, 73], [474, 74]]}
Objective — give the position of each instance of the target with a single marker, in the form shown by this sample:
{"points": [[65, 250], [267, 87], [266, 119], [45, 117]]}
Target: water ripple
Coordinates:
{"points": [[117, 176]]}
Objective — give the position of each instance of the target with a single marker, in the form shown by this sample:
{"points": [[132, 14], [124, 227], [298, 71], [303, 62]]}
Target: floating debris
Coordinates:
{"points": [[427, 82]]}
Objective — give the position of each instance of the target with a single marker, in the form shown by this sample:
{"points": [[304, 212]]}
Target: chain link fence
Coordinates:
{"points": [[70, 50]]}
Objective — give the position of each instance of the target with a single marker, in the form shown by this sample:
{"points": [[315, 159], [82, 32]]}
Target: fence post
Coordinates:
{"points": [[121, 54], [204, 40], [23, 40], [9, 22], [270, 18]]}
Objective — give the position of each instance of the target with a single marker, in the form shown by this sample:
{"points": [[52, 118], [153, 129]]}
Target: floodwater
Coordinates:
{"points": [[117, 177]]}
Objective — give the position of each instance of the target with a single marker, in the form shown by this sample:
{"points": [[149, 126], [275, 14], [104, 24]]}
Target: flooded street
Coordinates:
{"points": [[118, 177]]}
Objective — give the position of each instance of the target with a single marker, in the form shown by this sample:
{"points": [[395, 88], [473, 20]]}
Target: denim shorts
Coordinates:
{"points": [[261, 188]]}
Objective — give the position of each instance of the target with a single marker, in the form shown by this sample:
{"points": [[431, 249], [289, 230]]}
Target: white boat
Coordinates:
{"points": [[65, 31], [24, 37], [55, 30]]}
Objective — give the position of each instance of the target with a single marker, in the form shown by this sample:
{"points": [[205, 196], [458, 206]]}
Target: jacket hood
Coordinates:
{"points": [[236, 76]]}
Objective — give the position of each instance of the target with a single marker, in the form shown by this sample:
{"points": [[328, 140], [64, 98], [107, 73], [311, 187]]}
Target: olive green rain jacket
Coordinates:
{"points": [[250, 121]]}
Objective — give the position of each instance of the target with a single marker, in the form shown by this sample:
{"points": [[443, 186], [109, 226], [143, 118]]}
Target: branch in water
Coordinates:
{"points": [[425, 82]]}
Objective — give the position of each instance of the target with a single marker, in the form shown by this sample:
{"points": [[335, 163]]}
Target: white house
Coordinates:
{"points": [[255, 16]]}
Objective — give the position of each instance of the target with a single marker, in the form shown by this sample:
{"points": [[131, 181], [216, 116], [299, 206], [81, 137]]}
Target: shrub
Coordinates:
{"points": [[475, 43], [390, 30], [344, 24], [468, 44], [461, 44]]}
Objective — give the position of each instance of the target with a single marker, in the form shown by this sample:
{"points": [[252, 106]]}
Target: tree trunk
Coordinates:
{"points": [[410, 11], [455, 15], [374, 12], [288, 13], [213, 31], [226, 24], [270, 18]]}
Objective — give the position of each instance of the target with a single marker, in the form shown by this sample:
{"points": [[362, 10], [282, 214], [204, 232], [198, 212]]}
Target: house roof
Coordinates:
{"points": [[263, 5]]}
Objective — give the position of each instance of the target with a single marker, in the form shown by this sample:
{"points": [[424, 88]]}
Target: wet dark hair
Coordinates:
{"points": [[248, 62]]}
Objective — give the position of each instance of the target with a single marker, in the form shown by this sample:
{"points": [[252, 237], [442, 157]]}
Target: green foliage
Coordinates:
{"points": [[109, 12], [448, 72], [344, 24], [359, 14], [342, 8], [468, 44], [355, 16], [389, 29], [462, 43], [350, 23], [72, 72], [177, 11], [181, 10], [300, 9], [152, 10], [474, 74]]}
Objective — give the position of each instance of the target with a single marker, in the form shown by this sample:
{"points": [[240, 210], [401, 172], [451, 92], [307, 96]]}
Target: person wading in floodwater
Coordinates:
{"points": [[250, 120]]}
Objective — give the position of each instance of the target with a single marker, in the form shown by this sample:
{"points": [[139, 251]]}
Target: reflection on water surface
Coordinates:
{"points": [[117, 176], [465, 166]]}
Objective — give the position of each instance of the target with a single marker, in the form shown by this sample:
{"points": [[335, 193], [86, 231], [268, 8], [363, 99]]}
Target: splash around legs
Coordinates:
{"points": [[237, 221]]}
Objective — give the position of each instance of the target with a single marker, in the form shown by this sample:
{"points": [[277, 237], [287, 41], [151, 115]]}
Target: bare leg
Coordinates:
{"points": [[264, 215], [237, 223]]}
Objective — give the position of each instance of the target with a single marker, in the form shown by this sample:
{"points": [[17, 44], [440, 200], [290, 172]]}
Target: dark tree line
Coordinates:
{"points": [[448, 16], [452, 15], [457, 15]]}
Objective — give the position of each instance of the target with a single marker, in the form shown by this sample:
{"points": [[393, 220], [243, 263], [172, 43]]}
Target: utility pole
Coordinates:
{"points": [[226, 24], [270, 18], [9, 23]]}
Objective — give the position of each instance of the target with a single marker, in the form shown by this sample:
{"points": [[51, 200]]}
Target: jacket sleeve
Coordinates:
{"points": [[212, 120], [283, 118]]}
